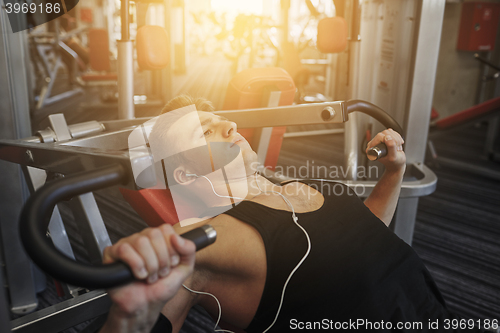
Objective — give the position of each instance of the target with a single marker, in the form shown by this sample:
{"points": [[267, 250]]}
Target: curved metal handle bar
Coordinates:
{"points": [[35, 218], [384, 118], [373, 111]]}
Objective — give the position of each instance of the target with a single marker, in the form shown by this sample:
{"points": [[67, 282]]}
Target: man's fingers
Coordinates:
{"points": [[375, 141], [186, 250], [396, 136], [126, 253], [184, 247], [167, 230], [381, 137], [144, 248], [160, 247], [154, 253], [395, 159], [106, 256], [392, 147]]}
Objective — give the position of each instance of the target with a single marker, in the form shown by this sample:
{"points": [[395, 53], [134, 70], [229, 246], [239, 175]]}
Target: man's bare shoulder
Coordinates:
{"points": [[230, 250]]}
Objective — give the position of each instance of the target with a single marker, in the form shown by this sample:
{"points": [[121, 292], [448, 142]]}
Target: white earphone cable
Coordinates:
{"points": [[295, 220], [213, 189], [218, 304]]}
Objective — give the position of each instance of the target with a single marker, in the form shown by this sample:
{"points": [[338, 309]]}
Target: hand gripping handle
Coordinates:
{"points": [[384, 118]]}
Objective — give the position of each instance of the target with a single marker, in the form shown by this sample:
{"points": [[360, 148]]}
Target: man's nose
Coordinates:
{"points": [[228, 128]]}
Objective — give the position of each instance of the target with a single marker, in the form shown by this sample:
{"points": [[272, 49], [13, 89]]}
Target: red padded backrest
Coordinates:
{"points": [[99, 50], [246, 90], [332, 35], [156, 207]]}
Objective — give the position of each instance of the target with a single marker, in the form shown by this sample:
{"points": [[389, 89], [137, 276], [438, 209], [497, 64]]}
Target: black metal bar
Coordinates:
{"points": [[373, 111], [486, 62], [34, 223]]}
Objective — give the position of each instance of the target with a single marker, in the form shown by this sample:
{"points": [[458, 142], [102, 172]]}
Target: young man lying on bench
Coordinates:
{"points": [[304, 254]]}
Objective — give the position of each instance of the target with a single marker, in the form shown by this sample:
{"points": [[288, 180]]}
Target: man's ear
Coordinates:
{"points": [[181, 178]]}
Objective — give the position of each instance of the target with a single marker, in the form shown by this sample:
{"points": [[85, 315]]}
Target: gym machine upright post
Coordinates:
{"points": [[160, 48], [125, 66]]}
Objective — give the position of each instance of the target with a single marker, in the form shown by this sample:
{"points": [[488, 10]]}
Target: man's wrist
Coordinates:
{"points": [[122, 321], [396, 171]]}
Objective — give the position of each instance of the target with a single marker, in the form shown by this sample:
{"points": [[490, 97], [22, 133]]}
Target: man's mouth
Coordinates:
{"points": [[235, 142]]}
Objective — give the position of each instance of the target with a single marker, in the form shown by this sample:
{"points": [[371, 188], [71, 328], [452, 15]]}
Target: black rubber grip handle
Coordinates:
{"points": [[35, 218], [202, 236]]}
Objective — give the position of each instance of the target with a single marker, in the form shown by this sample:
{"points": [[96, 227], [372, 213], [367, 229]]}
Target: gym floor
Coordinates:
{"points": [[457, 228]]}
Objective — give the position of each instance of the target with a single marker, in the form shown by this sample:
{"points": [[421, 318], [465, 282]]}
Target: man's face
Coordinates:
{"points": [[198, 154], [216, 162], [200, 128]]}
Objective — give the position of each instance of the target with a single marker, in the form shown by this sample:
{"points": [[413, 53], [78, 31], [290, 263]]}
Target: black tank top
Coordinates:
{"points": [[357, 269]]}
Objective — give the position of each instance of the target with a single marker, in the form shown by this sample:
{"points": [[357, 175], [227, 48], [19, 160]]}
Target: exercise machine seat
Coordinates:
{"points": [[332, 35], [152, 47], [99, 50], [154, 206], [248, 89], [99, 62]]}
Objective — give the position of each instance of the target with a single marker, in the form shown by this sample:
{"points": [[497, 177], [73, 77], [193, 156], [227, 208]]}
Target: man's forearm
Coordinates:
{"points": [[384, 198]]}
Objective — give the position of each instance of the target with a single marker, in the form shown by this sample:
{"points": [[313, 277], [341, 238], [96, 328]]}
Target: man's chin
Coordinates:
{"points": [[251, 165]]}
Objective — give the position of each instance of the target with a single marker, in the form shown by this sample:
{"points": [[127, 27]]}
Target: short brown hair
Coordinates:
{"points": [[180, 101]]}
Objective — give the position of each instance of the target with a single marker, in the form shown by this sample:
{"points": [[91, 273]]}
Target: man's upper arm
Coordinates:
{"points": [[177, 309]]}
